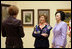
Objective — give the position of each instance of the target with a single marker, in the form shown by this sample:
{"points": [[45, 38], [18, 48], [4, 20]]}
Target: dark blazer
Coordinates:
{"points": [[41, 41], [13, 30]]}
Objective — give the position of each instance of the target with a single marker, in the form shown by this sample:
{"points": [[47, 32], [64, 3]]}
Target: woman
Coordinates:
{"points": [[12, 29], [41, 33], [60, 30]]}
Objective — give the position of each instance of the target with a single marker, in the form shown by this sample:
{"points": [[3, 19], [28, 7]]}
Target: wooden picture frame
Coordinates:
{"points": [[45, 12], [27, 17]]}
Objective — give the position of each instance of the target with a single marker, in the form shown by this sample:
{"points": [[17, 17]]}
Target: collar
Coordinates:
{"points": [[45, 24]]}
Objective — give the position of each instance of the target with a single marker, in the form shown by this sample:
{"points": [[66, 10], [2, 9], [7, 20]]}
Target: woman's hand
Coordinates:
{"points": [[44, 34]]}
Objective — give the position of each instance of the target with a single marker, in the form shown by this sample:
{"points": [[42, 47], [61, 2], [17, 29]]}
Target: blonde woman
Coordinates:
{"points": [[41, 33]]}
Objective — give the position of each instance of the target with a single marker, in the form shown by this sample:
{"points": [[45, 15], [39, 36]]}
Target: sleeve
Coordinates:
{"points": [[36, 35], [20, 29], [48, 31], [3, 30], [53, 37], [53, 41], [63, 31]]}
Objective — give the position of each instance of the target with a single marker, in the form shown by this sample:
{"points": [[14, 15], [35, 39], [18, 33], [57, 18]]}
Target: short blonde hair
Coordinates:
{"points": [[44, 17]]}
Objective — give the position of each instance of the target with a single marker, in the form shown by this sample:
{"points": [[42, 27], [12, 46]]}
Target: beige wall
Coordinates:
{"points": [[52, 5]]}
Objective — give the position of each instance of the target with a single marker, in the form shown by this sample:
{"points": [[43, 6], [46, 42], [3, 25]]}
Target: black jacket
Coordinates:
{"points": [[13, 30], [41, 41]]}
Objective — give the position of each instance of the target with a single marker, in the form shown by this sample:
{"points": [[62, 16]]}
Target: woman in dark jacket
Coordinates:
{"points": [[12, 29], [41, 33]]}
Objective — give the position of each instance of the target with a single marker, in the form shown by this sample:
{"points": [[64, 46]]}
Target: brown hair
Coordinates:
{"points": [[13, 10]]}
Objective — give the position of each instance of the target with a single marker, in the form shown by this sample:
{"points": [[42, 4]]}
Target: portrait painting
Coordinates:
{"points": [[45, 12]]}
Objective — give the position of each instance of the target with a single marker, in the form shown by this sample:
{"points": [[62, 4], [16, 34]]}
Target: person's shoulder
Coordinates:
{"points": [[64, 23], [49, 26], [18, 21], [36, 26]]}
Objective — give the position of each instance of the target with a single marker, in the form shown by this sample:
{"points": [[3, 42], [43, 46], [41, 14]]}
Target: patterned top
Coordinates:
{"points": [[44, 30], [41, 41]]}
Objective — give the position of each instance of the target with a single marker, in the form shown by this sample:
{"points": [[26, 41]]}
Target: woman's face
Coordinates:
{"points": [[42, 19], [58, 17]]}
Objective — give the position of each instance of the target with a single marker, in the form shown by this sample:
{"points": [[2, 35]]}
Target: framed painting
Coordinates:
{"points": [[27, 16], [4, 11], [45, 12], [67, 14]]}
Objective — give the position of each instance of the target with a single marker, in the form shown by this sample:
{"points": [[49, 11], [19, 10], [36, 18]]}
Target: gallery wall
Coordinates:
{"points": [[52, 5]]}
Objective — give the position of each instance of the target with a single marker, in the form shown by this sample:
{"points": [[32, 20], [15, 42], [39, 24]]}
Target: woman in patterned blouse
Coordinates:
{"points": [[41, 33]]}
